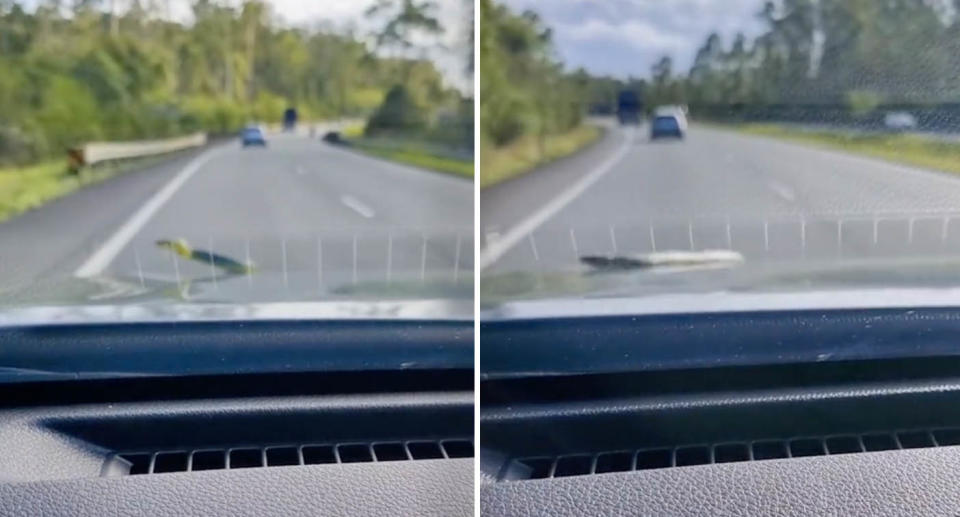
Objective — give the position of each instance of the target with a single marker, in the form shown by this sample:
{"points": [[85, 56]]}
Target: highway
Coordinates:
{"points": [[717, 189], [299, 210]]}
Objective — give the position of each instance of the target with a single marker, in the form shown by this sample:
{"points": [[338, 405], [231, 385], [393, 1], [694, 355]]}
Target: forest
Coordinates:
{"points": [[814, 59], [859, 54], [75, 71]]}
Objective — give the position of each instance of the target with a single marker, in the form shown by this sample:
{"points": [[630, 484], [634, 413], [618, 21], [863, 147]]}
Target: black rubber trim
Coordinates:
{"points": [[569, 346], [210, 348], [569, 388], [145, 389]]}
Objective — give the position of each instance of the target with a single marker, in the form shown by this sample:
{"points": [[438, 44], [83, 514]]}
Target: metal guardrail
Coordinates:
{"points": [[97, 152]]}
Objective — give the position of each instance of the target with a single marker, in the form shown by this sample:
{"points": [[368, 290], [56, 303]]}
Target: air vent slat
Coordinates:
{"points": [[196, 460], [318, 454], [390, 452], [171, 462], [589, 463], [457, 448], [615, 462], [947, 436], [425, 450], [282, 456], [208, 460], [137, 463]]}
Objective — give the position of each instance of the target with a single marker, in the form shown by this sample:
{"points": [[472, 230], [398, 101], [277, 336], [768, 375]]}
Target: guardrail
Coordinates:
{"points": [[97, 152]]}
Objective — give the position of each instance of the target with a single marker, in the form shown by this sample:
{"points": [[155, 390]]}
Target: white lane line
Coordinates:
{"points": [[102, 258], [357, 206], [495, 249]]}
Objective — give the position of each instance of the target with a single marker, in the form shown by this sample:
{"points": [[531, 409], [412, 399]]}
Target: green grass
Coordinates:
{"points": [[351, 132], [523, 155], [29, 187], [900, 148], [411, 153], [419, 158], [25, 188]]}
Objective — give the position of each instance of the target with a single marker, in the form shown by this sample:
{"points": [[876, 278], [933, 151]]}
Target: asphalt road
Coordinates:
{"points": [[300, 210], [717, 189]]}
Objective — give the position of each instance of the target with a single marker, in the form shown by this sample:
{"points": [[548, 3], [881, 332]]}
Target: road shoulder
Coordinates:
{"points": [[506, 204], [34, 243]]}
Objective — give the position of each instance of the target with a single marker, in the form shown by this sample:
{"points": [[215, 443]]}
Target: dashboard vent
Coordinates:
{"points": [[158, 462], [544, 467]]}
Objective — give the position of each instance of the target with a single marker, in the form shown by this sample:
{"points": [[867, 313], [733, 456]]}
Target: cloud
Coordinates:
{"points": [[626, 37]]}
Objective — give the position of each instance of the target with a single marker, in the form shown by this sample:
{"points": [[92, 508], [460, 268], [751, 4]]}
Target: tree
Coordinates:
{"points": [[155, 77], [403, 20], [398, 114]]}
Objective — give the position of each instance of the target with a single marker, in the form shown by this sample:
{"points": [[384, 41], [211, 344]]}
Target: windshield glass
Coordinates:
{"points": [[230, 153], [640, 149]]}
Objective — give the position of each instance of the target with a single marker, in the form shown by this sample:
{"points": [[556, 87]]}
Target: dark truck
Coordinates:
{"points": [[289, 119], [629, 108]]}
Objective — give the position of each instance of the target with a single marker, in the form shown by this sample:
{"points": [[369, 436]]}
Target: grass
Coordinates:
{"points": [[29, 187], [914, 150], [523, 155], [419, 158], [352, 132], [408, 153]]}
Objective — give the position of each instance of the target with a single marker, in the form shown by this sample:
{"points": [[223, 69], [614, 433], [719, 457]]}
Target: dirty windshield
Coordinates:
{"points": [[196, 152], [632, 147]]}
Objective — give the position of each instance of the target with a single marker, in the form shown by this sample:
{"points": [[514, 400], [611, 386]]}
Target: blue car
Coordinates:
{"points": [[252, 136], [666, 126]]}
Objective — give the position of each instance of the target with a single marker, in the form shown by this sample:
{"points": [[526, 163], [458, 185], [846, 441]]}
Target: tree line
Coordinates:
{"points": [[851, 55], [523, 87], [80, 71], [813, 60]]}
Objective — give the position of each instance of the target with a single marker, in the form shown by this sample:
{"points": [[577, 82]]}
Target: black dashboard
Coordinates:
{"points": [[818, 418], [267, 418]]}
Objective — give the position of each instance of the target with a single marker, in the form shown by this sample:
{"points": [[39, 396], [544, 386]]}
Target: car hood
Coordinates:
{"points": [[233, 297], [757, 286]]}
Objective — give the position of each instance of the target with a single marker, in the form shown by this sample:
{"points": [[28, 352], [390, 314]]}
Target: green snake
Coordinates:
{"points": [[182, 248]]}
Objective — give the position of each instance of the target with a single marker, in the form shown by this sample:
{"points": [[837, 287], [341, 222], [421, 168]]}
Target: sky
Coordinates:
{"points": [[626, 37], [454, 16]]}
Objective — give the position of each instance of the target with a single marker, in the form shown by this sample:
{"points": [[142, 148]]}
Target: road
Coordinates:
{"points": [[766, 198], [299, 209]]}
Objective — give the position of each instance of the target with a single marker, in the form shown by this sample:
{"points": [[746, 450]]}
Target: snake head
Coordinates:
{"points": [[178, 246]]}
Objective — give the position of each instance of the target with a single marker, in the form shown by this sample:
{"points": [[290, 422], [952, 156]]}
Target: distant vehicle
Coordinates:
{"points": [[252, 136], [289, 119], [335, 137], [899, 121], [629, 108], [670, 126]]}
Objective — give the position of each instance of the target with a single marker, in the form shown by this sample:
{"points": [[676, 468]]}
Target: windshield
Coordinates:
{"points": [[184, 154], [640, 149]]}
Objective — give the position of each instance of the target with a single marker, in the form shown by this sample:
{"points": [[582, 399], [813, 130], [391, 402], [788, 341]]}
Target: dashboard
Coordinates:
{"points": [[357, 428], [675, 414]]}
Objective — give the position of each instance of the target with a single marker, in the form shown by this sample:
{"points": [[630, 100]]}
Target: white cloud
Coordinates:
{"points": [[625, 37]]}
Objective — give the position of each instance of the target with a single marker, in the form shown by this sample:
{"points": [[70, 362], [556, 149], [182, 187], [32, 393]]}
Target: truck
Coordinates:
{"points": [[290, 119], [629, 108]]}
